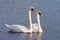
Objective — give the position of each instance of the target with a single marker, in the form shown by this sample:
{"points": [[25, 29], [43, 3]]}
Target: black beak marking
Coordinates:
{"points": [[32, 9], [39, 13]]}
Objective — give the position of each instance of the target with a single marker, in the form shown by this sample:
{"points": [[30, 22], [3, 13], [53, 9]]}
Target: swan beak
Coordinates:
{"points": [[32, 9], [39, 12]]}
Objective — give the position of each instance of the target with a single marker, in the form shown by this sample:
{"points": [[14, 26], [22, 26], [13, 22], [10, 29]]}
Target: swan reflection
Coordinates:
{"points": [[29, 36], [39, 36]]}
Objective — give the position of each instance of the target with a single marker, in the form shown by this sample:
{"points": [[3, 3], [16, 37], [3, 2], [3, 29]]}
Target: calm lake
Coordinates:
{"points": [[15, 12]]}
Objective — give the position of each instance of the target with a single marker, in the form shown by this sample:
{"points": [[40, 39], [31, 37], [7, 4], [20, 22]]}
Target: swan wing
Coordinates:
{"points": [[17, 28], [35, 27]]}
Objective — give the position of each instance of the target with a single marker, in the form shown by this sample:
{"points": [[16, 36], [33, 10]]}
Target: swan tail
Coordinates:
{"points": [[7, 25]]}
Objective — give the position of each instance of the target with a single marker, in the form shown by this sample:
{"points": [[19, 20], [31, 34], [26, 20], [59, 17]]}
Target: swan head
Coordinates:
{"points": [[31, 9], [39, 13]]}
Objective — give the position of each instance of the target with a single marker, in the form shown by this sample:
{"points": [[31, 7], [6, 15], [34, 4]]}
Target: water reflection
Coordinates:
{"points": [[39, 36], [29, 36]]}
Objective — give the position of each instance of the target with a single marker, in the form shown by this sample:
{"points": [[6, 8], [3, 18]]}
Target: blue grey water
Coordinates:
{"points": [[15, 12]]}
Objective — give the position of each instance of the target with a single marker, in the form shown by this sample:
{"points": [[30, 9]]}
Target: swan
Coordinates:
{"points": [[37, 26], [38, 14], [21, 28]]}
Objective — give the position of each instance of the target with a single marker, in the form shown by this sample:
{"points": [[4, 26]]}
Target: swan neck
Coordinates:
{"points": [[30, 20], [38, 22]]}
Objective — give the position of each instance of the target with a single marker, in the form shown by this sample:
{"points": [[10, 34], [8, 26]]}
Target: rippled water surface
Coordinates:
{"points": [[15, 12]]}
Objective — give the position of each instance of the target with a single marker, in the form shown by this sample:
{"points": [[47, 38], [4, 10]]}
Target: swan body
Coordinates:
{"points": [[21, 28], [16, 28]]}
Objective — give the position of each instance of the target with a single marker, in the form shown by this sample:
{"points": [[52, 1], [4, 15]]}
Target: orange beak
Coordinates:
{"points": [[33, 10]]}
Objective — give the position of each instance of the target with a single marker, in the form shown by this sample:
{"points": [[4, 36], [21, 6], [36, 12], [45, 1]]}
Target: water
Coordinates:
{"points": [[15, 12]]}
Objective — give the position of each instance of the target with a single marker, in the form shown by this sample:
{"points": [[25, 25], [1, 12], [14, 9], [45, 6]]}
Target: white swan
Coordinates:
{"points": [[37, 26], [20, 28], [38, 14]]}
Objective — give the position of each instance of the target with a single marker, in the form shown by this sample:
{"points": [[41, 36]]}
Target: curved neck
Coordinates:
{"points": [[38, 21], [30, 20]]}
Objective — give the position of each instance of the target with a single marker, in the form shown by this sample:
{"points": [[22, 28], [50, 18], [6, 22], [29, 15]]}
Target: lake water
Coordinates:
{"points": [[15, 12]]}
